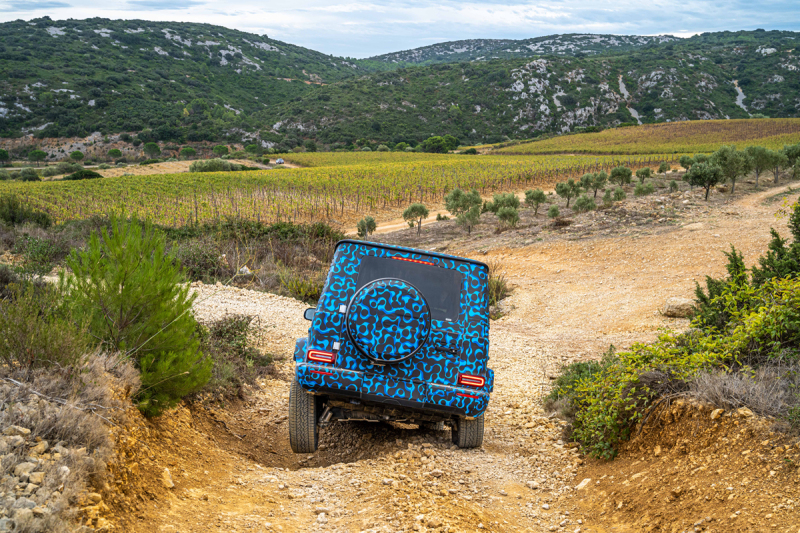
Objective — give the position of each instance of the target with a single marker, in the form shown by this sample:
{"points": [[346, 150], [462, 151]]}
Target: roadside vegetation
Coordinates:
{"points": [[742, 350]]}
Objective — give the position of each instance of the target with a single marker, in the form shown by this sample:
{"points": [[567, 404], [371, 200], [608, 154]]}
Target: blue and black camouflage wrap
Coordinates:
{"points": [[402, 354]]}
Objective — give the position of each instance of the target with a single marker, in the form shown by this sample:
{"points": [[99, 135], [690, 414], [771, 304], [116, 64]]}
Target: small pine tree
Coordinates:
{"points": [[470, 218], [506, 199], [77, 155], [663, 168], [607, 199], [673, 186], [553, 212], [619, 194], [135, 300]]}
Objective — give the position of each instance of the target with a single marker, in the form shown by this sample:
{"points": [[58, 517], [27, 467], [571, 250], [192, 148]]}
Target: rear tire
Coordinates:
{"points": [[303, 414], [468, 433]]}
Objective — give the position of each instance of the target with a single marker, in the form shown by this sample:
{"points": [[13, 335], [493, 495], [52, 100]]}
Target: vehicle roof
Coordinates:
{"points": [[414, 250]]}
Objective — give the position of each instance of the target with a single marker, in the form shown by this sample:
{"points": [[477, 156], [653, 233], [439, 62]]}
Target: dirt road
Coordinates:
{"points": [[233, 470]]}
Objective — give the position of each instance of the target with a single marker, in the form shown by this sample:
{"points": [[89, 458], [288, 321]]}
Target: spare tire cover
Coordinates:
{"points": [[388, 320]]}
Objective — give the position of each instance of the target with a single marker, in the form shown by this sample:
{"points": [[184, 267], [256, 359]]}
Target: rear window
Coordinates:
{"points": [[441, 287]]}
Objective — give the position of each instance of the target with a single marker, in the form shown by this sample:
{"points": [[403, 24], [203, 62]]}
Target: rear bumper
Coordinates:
{"points": [[381, 389]]}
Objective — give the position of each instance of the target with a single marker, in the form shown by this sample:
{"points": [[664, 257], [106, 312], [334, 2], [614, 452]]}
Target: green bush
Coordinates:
{"points": [[213, 165], [584, 203], [136, 301], [508, 216], [619, 194], [470, 151], [36, 330], [441, 218], [607, 198], [235, 362], [643, 189], [366, 227], [300, 285], [5, 175], [553, 212], [499, 201], [29, 174], [534, 198], [673, 186], [83, 175], [13, 213]]}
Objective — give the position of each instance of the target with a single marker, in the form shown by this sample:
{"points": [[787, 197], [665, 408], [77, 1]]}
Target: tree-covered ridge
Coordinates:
{"points": [[484, 101], [571, 44], [72, 77]]}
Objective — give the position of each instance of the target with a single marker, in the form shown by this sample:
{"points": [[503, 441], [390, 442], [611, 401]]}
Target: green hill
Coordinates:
{"points": [[73, 77], [194, 82]]}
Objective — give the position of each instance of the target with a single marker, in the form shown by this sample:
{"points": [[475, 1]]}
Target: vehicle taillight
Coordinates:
{"points": [[413, 260], [471, 381], [321, 357]]}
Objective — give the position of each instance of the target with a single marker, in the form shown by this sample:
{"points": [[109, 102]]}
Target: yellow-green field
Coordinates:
{"points": [[671, 138], [350, 186]]}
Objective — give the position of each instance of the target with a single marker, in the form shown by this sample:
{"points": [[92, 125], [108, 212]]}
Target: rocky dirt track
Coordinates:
{"points": [[232, 468]]}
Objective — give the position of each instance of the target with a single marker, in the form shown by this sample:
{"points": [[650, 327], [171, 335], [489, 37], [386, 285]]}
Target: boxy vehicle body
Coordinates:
{"points": [[398, 335]]}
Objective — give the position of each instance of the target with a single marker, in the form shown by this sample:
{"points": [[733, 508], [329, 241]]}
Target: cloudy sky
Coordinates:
{"points": [[363, 28]]}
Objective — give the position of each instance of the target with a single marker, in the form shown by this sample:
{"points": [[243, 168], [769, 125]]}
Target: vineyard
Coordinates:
{"points": [[672, 138], [337, 194]]}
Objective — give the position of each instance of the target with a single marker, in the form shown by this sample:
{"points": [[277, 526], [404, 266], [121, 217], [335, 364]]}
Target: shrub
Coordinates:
{"points": [[643, 174], [508, 216], [29, 174], [187, 152], [303, 286], [152, 150], [497, 287], [619, 194], [562, 398], [607, 198], [212, 165], [663, 168], [366, 227], [104, 166], [599, 181], [235, 362], [673, 186], [37, 332], [499, 201], [77, 155], [465, 206], [621, 175], [115, 153], [643, 189], [134, 298], [4, 174], [382, 148], [200, 259], [469, 151], [583, 203], [13, 213], [366, 149], [441, 218], [40, 254], [553, 212], [83, 175], [535, 198]]}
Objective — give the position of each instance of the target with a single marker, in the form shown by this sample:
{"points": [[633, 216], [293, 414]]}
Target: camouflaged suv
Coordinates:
{"points": [[398, 335]]}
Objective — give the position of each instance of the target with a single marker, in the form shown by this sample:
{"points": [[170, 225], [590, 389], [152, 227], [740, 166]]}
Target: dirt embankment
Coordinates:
{"points": [[232, 469]]}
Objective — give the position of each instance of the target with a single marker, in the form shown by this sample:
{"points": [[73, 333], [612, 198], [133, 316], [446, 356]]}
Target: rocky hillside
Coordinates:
{"points": [[723, 75], [73, 77], [483, 49], [196, 82]]}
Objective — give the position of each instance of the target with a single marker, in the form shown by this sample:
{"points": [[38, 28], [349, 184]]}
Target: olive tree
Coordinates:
{"points": [[366, 227], [732, 163], [414, 215], [686, 162], [643, 174], [663, 168], [535, 198], [621, 175], [778, 160], [599, 181], [760, 158], [568, 189], [465, 206], [704, 175]]}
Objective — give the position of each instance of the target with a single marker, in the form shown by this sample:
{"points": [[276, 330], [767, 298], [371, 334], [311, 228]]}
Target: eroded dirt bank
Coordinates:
{"points": [[233, 471]]}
